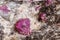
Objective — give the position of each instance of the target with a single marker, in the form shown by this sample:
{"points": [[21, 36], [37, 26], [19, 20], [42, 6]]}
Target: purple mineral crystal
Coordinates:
{"points": [[48, 2], [42, 16], [4, 8], [23, 26]]}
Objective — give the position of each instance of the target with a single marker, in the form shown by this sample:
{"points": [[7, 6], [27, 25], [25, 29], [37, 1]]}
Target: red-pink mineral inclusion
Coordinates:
{"points": [[23, 26], [48, 2], [4, 8], [42, 16]]}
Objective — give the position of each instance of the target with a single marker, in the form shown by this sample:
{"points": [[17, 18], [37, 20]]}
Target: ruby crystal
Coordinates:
{"points": [[48, 2], [23, 26], [42, 16], [4, 8]]}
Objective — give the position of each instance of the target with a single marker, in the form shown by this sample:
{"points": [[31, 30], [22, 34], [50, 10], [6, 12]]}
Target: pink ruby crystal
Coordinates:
{"points": [[48, 2], [42, 16], [4, 8], [23, 26]]}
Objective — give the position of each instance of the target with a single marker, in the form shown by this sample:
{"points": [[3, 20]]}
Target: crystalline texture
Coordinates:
{"points": [[42, 16], [48, 2], [23, 26], [4, 8]]}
